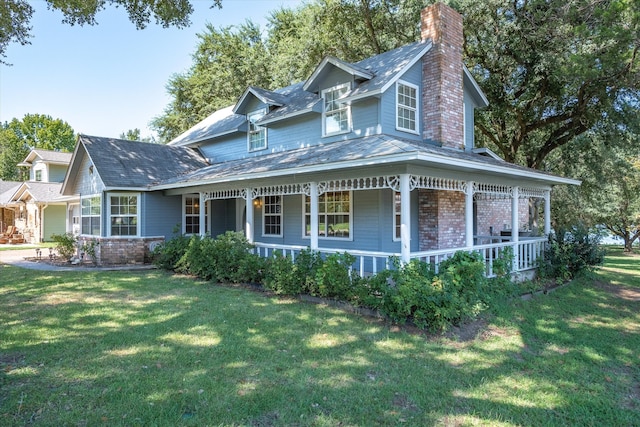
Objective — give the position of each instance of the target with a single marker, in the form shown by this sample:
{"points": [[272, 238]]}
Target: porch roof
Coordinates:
{"points": [[8, 189], [369, 151], [41, 192]]}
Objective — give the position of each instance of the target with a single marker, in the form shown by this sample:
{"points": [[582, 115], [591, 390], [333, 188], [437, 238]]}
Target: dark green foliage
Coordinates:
{"points": [[65, 245], [167, 254], [227, 258], [569, 253], [287, 277], [334, 277]]}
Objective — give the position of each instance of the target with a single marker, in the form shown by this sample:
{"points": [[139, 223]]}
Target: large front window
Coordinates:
{"points": [[192, 215], [123, 215], [334, 214], [257, 134], [272, 216], [407, 107], [336, 114], [90, 213]]}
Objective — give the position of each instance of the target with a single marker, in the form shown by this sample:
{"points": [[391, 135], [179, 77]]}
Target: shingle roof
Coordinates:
{"points": [[219, 123], [47, 156], [383, 68], [122, 163], [41, 191], [7, 189], [368, 150]]}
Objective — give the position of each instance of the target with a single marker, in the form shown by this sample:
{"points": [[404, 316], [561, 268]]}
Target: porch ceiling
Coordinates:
{"points": [[367, 156]]}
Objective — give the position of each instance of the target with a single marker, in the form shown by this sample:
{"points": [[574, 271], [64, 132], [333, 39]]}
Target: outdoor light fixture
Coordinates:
{"points": [[257, 202]]}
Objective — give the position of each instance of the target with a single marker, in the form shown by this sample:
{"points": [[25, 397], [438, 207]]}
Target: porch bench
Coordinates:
{"points": [[15, 239]]}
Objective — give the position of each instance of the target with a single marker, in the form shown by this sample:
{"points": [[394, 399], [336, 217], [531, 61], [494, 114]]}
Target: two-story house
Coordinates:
{"points": [[35, 207], [376, 158]]}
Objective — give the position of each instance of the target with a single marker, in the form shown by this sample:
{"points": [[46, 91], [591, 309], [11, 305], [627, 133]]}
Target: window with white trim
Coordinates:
{"points": [[406, 107], [257, 135], [123, 214], [192, 214], [336, 115], [90, 215], [272, 216], [38, 175], [334, 215], [397, 218]]}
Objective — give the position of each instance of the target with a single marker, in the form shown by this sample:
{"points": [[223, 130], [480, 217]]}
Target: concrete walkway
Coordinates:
{"points": [[17, 257]]}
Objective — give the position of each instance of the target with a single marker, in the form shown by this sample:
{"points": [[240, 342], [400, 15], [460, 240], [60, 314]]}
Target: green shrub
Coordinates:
{"points": [[65, 245], [570, 252], [280, 275], [167, 254], [333, 277]]}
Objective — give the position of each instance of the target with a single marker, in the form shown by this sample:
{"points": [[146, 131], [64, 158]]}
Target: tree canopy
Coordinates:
{"points": [[15, 15], [552, 70], [18, 137]]}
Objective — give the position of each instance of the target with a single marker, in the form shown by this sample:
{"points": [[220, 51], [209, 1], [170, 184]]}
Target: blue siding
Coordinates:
{"points": [[86, 183], [388, 105], [160, 215]]}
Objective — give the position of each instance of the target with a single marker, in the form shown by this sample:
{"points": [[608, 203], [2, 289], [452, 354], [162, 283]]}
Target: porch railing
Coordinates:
{"points": [[526, 253]]}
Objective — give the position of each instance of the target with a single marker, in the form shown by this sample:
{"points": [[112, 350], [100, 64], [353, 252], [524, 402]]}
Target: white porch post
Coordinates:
{"points": [[313, 190], [468, 214], [547, 212], [515, 201], [202, 217], [405, 217], [248, 227]]}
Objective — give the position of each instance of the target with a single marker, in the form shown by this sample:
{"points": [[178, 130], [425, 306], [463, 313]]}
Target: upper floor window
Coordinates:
{"points": [[336, 114], [192, 215], [257, 135], [123, 215], [272, 216], [407, 107], [90, 214], [334, 214], [397, 217], [38, 175]]}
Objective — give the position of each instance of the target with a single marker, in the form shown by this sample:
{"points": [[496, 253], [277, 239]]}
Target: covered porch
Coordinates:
{"points": [[463, 233]]}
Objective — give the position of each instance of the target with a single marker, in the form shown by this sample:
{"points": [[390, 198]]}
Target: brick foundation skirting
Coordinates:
{"points": [[111, 251]]}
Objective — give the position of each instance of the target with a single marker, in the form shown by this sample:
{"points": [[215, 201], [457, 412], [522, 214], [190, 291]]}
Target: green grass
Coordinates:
{"points": [[21, 247], [148, 348]]}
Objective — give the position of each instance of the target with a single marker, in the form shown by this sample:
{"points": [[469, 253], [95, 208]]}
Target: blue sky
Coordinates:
{"points": [[106, 79]]}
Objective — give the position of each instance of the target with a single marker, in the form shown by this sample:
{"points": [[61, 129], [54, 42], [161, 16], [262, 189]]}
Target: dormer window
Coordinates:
{"points": [[406, 107], [336, 114], [257, 135], [38, 175]]}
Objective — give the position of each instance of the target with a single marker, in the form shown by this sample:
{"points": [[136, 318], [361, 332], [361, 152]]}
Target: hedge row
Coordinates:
{"points": [[409, 292]]}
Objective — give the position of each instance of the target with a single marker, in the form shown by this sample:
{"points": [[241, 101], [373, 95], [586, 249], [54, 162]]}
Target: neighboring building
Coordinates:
{"points": [[376, 158], [36, 207], [7, 215]]}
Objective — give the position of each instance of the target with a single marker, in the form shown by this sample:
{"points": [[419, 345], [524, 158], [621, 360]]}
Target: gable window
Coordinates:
{"points": [[272, 216], [397, 207], [39, 175], [123, 215], [257, 135], [406, 107], [336, 114], [334, 215], [90, 214], [192, 215]]}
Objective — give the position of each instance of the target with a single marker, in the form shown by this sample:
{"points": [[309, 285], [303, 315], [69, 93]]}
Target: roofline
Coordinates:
{"points": [[251, 90], [396, 158], [476, 86], [344, 66], [288, 116], [196, 141]]}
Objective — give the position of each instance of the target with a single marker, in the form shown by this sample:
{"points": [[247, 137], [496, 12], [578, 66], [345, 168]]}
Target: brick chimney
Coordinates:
{"points": [[442, 73]]}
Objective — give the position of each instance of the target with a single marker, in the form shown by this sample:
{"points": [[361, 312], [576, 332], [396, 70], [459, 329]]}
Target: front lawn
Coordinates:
{"points": [[148, 348]]}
